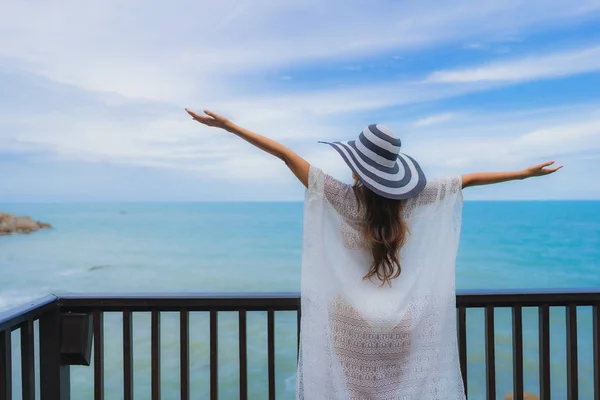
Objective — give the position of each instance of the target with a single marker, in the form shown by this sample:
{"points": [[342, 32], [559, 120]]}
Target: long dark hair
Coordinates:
{"points": [[385, 232]]}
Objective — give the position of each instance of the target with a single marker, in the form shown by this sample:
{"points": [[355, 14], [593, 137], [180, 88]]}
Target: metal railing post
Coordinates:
{"points": [[55, 379]]}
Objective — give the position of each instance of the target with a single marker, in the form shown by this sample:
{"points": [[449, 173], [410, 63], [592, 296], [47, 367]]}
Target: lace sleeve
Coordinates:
{"points": [[341, 197], [435, 191], [338, 194], [315, 180]]}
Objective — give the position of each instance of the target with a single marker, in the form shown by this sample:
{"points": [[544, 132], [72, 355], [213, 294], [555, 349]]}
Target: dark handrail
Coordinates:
{"points": [[527, 297], [288, 301], [258, 300], [46, 311], [177, 301], [13, 317]]}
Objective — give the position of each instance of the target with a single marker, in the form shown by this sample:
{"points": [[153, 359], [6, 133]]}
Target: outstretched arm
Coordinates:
{"points": [[488, 178], [295, 163]]}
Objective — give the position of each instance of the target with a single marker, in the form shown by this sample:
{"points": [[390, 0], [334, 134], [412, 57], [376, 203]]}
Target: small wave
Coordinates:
{"points": [[97, 267]]}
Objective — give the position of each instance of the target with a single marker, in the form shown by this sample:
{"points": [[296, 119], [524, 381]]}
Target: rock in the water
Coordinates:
{"points": [[7, 224], [12, 224], [526, 396]]}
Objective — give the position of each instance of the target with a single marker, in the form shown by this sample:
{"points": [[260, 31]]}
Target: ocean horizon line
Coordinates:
{"points": [[2, 202]]}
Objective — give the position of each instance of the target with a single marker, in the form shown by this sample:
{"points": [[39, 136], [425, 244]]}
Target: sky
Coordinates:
{"points": [[92, 94]]}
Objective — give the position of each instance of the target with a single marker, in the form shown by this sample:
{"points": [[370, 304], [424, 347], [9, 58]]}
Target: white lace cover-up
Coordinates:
{"points": [[363, 340]]}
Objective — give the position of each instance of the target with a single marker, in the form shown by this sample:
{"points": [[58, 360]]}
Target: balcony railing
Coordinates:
{"points": [[56, 338]]}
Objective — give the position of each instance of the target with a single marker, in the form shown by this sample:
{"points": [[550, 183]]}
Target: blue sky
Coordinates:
{"points": [[92, 94]]}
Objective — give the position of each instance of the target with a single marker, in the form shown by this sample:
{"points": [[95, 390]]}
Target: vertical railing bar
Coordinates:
{"points": [[184, 340], [544, 350], [298, 327], [596, 349], [5, 365], [462, 343], [127, 355], [98, 355], [27, 361], [214, 356], [271, 352], [572, 380], [517, 342], [155, 352], [490, 362], [243, 356]]}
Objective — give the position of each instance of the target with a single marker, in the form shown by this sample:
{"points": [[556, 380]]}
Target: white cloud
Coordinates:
{"points": [[321, 106], [184, 51], [174, 142], [565, 63], [433, 119], [511, 140], [200, 54]]}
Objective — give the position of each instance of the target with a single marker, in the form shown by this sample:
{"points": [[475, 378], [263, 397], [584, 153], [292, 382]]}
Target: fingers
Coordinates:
{"points": [[207, 112], [193, 114], [543, 165], [206, 120], [212, 114], [201, 118], [547, 171], [552, 170]]}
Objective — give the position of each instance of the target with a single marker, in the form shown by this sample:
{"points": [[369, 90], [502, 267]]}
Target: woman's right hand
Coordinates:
{"points": [[540, 170]]}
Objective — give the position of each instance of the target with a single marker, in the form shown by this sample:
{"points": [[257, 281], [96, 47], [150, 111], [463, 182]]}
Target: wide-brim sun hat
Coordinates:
{"points": [[376, 160]]}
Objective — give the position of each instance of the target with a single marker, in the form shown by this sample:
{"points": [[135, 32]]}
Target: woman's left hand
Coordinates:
{"points": [[210, 119], [295, 163]]}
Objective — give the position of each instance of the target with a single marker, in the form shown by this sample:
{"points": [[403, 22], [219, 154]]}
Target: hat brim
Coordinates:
{"points": [[402, 181]]}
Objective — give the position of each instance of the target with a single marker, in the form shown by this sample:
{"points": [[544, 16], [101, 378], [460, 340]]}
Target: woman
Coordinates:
{"points": [[378, 290]]}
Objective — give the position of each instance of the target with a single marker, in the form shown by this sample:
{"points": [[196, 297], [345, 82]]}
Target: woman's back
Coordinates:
{"points": [[342, 198], [381, 341]]}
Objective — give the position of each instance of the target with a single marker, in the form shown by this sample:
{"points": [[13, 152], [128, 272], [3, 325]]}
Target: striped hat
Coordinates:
{"points": [[376, 160]]}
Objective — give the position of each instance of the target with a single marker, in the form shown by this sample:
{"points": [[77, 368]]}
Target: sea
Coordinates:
{"points": [[257, 247]]}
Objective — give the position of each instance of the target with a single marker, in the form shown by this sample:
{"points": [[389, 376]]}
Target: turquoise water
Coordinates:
{"points": [[254, 247]]}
